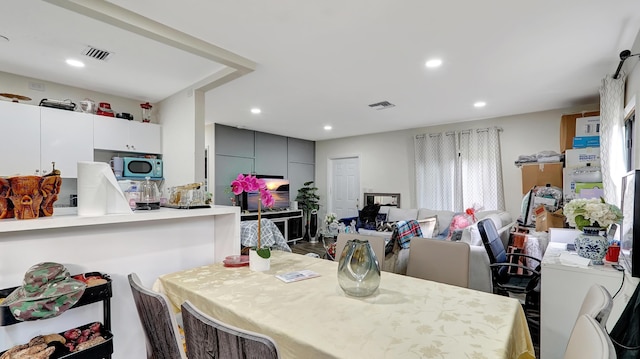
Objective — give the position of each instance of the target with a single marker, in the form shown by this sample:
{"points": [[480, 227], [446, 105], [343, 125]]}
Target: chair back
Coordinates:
{"points": [[159, 324], [439, 261], [589, 340], [597, 304], [377, 244], [491, 241], [208, 338]]}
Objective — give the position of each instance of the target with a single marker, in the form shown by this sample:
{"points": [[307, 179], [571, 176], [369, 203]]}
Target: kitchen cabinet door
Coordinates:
{"points": [[66, 137], [110, 133], [145, 137], [20, 143]]}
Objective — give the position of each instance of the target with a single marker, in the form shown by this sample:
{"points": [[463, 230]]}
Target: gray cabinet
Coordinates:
{"points": [[245, 151]]}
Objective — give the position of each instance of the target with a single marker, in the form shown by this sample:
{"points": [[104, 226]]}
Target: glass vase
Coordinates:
{"points": [[358, 269], [592, 244]]}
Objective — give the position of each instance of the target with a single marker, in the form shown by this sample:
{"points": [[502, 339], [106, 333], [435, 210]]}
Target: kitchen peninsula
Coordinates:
{"points": [[150, 243]]}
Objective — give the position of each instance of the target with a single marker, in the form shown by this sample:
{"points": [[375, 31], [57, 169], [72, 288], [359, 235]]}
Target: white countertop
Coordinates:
{"points": [[556, 251], [67, 217]]}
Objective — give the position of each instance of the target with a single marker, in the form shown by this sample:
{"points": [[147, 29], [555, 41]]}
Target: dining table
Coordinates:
{"points": [[405, 317]]}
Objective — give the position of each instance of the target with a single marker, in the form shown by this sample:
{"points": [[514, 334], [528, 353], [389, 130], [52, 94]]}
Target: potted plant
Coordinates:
{"points": [[308, 202], [250, 183]]}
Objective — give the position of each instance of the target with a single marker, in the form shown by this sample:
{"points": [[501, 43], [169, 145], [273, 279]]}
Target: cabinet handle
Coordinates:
{"points": [[133, 147]]}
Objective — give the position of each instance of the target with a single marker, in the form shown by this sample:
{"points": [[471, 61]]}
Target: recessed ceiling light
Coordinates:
{"points": [[327, 127], [480, 104], [75, 63], [256, 110], [433, 63]]}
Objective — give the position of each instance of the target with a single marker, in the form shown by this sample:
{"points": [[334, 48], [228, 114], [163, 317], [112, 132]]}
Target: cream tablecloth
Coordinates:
{"points": [[406, 317]]}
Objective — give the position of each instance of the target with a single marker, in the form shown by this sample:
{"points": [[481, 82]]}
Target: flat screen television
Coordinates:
{"points": [[630, 228], [279, 189]]}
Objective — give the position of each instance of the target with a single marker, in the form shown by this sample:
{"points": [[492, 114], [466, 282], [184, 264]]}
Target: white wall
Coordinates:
{"points": [[387, 160], [19, 85], [182, 138]]}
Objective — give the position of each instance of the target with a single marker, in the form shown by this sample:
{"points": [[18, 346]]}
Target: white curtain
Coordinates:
{"points": [[458, 170], [612, 136], [435, 164], [481, 169]]}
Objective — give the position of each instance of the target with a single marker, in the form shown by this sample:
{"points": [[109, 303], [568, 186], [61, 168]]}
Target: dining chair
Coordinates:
{"points": [[377, 244], [506, 281], [589, 340], [208, 338], [597, 304], [159, 324], [439, 261]]}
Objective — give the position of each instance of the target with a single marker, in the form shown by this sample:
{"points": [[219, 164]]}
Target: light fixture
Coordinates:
{"points": [[75, 63], [433, 63], [327, 127], [480, 104], [255, 110]]}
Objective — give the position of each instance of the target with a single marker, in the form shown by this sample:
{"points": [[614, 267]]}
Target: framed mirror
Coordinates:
{"points": [[383, 199]]}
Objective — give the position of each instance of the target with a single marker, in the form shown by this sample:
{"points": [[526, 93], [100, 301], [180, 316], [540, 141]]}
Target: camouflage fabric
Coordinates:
{"points": [[47, 291]]}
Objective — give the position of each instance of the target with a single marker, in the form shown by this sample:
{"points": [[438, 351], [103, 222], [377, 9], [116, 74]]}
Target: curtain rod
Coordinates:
{"points": [[449, 133], [623, 56]]}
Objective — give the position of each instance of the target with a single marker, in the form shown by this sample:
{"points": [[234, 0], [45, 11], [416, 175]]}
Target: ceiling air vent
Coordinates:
{"points": [[97, 54], [382, 105]]}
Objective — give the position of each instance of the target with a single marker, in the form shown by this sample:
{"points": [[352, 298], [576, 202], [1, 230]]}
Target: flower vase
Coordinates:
{"points": [[592, 244], [257, 263], [358, 269]]}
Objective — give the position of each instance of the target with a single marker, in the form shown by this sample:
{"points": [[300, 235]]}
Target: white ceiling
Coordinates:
{"points": [[323, 62]]}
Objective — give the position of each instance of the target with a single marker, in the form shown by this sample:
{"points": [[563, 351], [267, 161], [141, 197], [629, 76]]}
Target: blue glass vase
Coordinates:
{"points": [[592, 244]]}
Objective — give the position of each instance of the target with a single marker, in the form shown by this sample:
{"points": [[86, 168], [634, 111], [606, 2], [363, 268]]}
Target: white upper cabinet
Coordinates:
{"points": [[116, 134], [21, 138], [66, 137]]}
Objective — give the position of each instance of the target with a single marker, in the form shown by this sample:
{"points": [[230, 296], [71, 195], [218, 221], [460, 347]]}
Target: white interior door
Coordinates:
{"points": [[345, 187]]}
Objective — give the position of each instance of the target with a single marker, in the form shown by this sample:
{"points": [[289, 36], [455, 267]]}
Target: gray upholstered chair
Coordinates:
{"points": [[597, 304], [159, 324], [208, 337], [439, 261], [589, 340], [377, 244]]}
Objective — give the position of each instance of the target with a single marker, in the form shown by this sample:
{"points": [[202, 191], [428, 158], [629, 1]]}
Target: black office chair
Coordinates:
{"points": [[503, 265]]}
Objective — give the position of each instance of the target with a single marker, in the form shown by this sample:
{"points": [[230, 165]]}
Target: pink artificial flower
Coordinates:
{"points": [[251, 184], [238, 185], [267, 198]]}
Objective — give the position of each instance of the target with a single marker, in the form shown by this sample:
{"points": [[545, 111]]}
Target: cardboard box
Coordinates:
{"points": [[568, 128], [568, 185], [580, 157], [546, 219], [588, 126], [586, 141], [541, 174]]}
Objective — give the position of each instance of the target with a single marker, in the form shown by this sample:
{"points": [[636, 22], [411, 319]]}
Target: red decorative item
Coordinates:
{"points": [[146, 112], [472, 213], [104, 109]]}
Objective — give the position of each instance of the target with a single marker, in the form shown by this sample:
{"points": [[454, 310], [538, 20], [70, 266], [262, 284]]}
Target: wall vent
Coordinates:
{"points": [[382, 105], [97, 54]]}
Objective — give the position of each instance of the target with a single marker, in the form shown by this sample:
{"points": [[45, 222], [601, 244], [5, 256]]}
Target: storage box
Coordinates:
{"points": [[580, 157], [568, 128], [589, 190], [588, 126], [586, 141], [546, 219], [541, 174]]}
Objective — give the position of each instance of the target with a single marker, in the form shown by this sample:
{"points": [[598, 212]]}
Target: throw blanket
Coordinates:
{"points": [[396, 259], [270, 235]]}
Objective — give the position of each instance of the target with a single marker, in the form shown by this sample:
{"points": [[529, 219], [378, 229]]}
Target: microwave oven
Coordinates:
{"points": [[134, 167]]}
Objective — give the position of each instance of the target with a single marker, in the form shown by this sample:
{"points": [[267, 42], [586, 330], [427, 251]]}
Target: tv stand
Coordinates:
{"points": [[290, 223]]}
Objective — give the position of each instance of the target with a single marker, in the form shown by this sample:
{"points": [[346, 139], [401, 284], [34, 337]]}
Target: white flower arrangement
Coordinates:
{"points": [[593, 212], [330, 218]]}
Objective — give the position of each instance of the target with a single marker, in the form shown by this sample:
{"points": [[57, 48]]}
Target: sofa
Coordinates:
{"points": [[479, 272]]}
